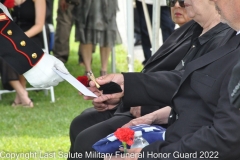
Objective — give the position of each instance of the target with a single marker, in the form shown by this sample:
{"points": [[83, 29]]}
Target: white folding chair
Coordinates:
{"points": [[51, 89], [113, 58]]}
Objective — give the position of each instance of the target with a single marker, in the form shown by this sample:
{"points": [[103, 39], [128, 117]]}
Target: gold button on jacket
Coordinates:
{"points": [[9, 32], [23, 43], [34, 55]]}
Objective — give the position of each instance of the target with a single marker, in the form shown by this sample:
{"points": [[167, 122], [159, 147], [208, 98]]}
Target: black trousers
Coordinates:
{"points": [[91, 126], [167, 26]]}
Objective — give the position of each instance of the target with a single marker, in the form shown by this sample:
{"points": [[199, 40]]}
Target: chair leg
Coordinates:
{"points": [[52, 95], [113, 57]]}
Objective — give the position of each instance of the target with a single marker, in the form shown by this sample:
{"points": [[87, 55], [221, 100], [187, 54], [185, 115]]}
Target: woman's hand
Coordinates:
{"points": [[103, 106], [147, 119], [105, 101], [158, 117], [136, 111], [109, 98]]}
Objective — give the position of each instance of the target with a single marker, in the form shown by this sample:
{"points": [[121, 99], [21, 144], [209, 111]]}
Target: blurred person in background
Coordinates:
{"points": [[49, 12], [96, 25], [166, 24], [66, 15], [65, 21], [178, 13], [137, 31]]}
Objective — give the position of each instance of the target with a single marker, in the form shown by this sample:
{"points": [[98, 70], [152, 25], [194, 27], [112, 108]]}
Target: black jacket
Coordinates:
{"points": [[207, 122], [173, 49], [16, 48], [177, 46], [166, 58], [234, 86]]}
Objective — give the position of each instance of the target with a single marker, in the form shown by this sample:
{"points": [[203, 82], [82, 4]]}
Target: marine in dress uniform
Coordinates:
{"points": [[25, 56]]}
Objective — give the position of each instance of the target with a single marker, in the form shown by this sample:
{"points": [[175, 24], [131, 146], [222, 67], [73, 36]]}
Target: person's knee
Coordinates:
{"points": [[85, 116], [88, 110], [73, 130], [74, 122], [83, 142], [83, 121], [77, 126]]}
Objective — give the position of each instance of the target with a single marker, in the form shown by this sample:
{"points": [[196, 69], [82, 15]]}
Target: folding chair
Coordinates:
{"points": [[113, 58], [51, 89]]}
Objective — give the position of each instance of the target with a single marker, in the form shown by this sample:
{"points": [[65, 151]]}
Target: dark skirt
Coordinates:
{"points": [[96, 22], [7, 74]]}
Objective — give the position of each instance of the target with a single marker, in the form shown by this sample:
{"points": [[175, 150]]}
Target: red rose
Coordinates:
{"points": [[9, 3], [83, 80], [125, 135]]}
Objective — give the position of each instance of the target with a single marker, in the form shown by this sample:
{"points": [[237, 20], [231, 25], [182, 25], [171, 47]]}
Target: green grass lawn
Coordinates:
{"points": [[44, 129]]}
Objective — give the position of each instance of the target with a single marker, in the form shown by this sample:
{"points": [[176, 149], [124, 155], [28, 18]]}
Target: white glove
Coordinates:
{"points": [[42, 75]]}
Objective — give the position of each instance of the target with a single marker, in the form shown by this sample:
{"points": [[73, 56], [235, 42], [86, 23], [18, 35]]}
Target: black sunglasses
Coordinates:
{"points": [[171, 3]]}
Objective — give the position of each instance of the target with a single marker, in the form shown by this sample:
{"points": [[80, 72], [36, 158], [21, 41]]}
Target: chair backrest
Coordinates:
{"points": [[45, 40]]}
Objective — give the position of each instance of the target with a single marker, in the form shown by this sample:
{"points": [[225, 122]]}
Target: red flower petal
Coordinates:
{"points": [[9, 3], [125, 135], [83, 80]]}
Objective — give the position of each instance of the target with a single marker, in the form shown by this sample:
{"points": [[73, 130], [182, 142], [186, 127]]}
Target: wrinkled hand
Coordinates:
{"points": [[94, 89], [136, 111], [106, 105], [101, 105], [42, 74], [147, 119], [159, 116], [109, 98]]}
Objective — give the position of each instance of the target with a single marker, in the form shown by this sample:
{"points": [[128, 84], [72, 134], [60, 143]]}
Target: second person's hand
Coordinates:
{"points": [[110, 98]]}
